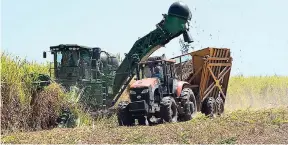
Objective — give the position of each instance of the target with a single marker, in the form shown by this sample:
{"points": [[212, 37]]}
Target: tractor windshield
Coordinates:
{"points": [[150, 71]]}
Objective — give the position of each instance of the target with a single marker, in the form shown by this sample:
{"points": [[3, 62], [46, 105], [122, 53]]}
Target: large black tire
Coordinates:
{"points": [[190, 107], [123, 115], [209, 107], [142, 121], [157, 121], [168, 109], [219, 105]]}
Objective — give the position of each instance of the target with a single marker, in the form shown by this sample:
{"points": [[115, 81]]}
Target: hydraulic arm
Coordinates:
{"points": [[172, 25]]}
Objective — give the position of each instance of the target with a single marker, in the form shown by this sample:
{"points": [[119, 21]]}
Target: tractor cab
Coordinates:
{"points": [[159, 68]]}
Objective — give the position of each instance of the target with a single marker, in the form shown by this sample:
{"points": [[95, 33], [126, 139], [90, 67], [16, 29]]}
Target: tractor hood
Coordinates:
{"points": [[145, 83]]}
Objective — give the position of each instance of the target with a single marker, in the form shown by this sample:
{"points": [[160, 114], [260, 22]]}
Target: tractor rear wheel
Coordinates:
{"points": [[123, 115], [168, 109], [190, 107]]}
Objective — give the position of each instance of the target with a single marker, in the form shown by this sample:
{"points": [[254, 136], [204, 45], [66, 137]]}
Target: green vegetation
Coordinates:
{"points": [[257, 92], [25, 109]]}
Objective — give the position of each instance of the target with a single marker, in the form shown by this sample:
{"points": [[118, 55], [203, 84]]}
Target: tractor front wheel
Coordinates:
{"points": [[168, 109], [123, 115], [142, 121]]}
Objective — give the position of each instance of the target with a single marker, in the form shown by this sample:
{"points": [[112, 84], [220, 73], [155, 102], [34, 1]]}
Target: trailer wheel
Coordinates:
{"points": [[168, 109], [190, 107], [220, 105], [209, 107], [123, 115]]}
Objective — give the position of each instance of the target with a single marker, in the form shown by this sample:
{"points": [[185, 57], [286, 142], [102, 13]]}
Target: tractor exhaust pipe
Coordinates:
{"points": [[187, 37]]}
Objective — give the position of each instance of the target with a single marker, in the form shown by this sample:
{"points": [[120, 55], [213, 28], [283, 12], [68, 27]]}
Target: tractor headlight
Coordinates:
{"points": [[145, 91], [132, 92]]}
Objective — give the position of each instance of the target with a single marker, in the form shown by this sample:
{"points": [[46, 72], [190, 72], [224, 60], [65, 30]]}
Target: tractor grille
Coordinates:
{"points": [[138, 107], [143, 96]]}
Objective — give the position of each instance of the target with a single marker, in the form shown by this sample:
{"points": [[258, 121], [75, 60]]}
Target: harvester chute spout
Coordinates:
{"points": [[187, 37]]}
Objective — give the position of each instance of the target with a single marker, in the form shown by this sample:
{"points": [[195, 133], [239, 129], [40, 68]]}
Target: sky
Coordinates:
{"points": [[255, 30]]}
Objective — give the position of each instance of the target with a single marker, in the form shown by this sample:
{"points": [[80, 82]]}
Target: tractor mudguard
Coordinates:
{"points": [[178, 87]]}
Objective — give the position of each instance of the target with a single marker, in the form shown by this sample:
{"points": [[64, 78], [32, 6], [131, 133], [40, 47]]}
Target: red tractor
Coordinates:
{"points": [[161, 94]]}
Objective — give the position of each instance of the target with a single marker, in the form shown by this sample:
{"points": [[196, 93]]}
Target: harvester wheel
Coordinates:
{"points": [[123, 115], [168, 109], [220, 105], [190, 105], [209, 106]]}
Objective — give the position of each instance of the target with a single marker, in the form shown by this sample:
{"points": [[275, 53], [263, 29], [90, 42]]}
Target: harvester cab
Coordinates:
{"points": [[71, 63], [90, 70]]}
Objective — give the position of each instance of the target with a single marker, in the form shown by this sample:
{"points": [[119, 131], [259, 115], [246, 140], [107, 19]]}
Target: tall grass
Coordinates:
{"points": [[22, 106], [14, 71], [257, 92], [16, 90]]}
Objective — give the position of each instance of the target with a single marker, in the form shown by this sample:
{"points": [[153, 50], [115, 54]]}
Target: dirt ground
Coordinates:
{"points": [[242, 126]]}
